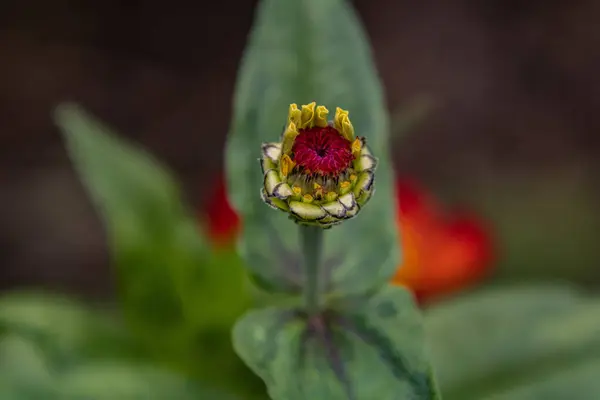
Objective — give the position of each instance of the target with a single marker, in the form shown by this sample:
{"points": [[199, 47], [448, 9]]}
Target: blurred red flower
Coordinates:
{"points": [[221, 221], [442, 253]]}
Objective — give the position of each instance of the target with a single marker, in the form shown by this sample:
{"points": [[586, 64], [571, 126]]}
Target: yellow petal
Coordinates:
{"points": [[331, 196], [286, 165], [347, 128], [345, 187], [356, 147], [294, 114], [341, 122], [318, 190], [321, 116], [308, 115], [337, 119], [288, 138], [307, 198]]}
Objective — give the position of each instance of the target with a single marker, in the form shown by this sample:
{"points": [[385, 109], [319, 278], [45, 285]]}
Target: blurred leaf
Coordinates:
{"points": [[222, 285], [114, 380], [174, 288], [507, 337], [574, 382], [299, 52], [24, 371], [26, 374], [371, 350], [44, 336], [66, 331]]}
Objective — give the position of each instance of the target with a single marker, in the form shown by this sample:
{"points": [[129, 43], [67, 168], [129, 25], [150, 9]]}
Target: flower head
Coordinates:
{"points": [[320, 173]]}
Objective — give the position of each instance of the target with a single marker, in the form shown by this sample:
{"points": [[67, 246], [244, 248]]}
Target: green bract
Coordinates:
{"points": [[320, 172]]}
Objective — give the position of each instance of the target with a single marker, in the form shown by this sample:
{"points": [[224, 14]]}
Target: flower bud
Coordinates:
{"points": [[320, 173]]}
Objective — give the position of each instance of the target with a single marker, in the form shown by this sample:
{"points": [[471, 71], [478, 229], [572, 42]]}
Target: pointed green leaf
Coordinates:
{"points": [[174, 288], [299, 52], [154, 240], [372, 350]]}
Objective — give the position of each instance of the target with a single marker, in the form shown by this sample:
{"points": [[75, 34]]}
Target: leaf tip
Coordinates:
{"points": [[66, 111]]}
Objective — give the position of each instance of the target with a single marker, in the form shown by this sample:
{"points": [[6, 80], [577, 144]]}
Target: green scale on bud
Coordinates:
{"points": [[320, 173]]}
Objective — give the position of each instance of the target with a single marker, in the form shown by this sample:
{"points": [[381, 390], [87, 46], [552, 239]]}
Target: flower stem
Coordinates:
{"points": [[312, 248]]}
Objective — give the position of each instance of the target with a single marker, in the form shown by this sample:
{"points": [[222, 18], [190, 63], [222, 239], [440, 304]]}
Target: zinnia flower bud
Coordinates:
{"points": [[320, 173]]}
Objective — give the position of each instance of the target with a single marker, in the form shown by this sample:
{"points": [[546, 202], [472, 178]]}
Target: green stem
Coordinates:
{"points": [[312, 248]]}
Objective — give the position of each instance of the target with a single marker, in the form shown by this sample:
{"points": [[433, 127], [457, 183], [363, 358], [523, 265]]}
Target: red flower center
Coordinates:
{"points": [[322, 150]]}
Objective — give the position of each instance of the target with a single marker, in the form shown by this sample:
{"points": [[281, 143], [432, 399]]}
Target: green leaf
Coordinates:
{"points": [[576, 382], [175, 288], [118, 380], [371, 349], [151, 236], [24, 370], [509, 337], [65, 330], [155, 241], [300, 51]]}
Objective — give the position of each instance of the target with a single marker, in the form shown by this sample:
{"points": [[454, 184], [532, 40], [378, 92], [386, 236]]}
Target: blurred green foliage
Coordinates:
{"points": [[517, 342], [52, 347], [179, 296], [523, 342], [170, 334]]}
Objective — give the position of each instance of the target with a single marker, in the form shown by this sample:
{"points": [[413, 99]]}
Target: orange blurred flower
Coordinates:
{"points": [[441, 253]]}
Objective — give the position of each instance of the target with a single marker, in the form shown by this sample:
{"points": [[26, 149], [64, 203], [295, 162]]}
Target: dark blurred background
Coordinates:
{"points": [[512, 133]]}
